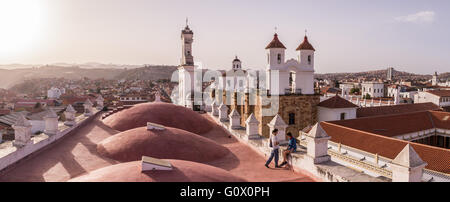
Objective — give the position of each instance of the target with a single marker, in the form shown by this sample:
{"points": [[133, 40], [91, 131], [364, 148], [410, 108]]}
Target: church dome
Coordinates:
{"points": [[305, 45], [166, 114], [275, 43], [170, 143], [183, 171]]}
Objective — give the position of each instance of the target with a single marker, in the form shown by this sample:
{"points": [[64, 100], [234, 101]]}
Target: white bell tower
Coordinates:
{"points": [[275, 78], [186, 77], [306, 54]]}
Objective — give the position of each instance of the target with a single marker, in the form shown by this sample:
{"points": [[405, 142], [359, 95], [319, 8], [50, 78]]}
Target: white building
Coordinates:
{"points": [[55, 93], [186, 79], [436, 82], [440, 98], [291, 76], [336, 108], [374, 89]]}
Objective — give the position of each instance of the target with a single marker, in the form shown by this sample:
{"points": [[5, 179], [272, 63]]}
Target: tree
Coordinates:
{"points": [[367, 96], [354, 90]]}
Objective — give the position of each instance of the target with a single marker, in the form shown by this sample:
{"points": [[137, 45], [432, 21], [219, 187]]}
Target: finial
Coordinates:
{"points": [[276, 30], [306, 32], [187, 21]]}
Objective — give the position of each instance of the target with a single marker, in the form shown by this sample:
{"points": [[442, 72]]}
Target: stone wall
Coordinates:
{"points": [[304, 107], [10, 155]]}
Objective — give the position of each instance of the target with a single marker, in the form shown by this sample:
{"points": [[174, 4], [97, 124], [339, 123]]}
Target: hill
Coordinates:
{"points": [[11, 77]]}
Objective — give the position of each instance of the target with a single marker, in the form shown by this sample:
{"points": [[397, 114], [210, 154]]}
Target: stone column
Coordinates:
{"points": [[223, 113], [278, 123], [51, 123], [317, 144], [235, 120], [215, 108], [407, 166], [22, 132], [88, 108], [252, 125], [100, 103], [70, 116]]}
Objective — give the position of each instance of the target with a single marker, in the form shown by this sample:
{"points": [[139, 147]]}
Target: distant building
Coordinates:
{"points": [[374, 89], [55, 93], [390, 74], [440, 98], [336, 108]]}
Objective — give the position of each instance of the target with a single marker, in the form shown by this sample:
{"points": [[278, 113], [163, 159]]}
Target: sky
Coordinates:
{"points": [[348, 35]]}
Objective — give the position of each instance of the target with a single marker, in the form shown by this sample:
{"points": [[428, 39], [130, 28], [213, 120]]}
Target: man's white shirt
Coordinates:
{"points": [[275, 142]]}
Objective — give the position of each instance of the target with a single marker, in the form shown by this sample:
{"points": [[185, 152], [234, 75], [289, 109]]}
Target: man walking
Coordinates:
{"points": [[275, 147]]}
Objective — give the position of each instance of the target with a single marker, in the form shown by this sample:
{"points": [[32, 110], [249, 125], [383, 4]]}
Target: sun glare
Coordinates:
{"points": [[20, 25]]}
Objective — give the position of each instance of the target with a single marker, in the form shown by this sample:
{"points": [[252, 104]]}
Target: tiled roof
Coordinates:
{"points": [[392, 125], [275, 43], [441, 119], [337, 102], [305, 45], [394, 109], [438, 159], [440, 93]]}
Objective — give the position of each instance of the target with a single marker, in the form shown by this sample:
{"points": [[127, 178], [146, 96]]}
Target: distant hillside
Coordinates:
{"points": [[377, 74], [11, 77], [148, 73]]}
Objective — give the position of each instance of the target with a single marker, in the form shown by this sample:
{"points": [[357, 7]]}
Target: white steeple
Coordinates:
{"points": [[237, 64], [306, 54]]}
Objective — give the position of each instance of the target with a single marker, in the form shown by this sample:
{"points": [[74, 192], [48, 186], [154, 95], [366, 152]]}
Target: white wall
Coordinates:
{"points": [[328, 114]]}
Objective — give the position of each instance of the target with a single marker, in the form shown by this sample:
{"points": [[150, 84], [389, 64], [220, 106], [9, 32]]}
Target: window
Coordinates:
{"points": [[268, 58], [309, 60], [292, 119], [279, 58], [342, 116]]}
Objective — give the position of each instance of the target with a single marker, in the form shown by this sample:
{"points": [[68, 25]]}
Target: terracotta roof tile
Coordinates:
{"points": [[337, 102], [438, 159], [305, 45], [391, 125], [394, 109], [275, 43], [440, 93]]}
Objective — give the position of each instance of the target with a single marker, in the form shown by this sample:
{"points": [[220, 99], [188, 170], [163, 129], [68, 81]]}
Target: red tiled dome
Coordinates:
{"points": [[275, 43], [305, 45], [183, 171], [170, 143], [161, 113]]}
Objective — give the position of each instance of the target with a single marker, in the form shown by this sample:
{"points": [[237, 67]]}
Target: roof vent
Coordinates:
{"points": [[154, 126], [149, 164]]}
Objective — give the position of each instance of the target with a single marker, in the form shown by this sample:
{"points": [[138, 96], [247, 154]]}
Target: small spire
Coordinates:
{"points": [[187, 21]]}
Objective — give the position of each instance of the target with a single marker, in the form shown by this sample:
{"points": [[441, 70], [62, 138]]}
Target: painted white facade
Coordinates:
{"points": [[375, 90], [424, 96], [333, 114], [55, 93], [291, 76]]}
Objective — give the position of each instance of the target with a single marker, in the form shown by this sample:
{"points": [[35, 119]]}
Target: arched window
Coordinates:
{"points": [[279, 58], [309, 60], [292, 119]]}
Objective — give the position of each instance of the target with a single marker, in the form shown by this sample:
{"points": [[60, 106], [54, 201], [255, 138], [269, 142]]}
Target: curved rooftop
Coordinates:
{"points": [[170, 143], [166, 114], [305, 45], [275, 43], [183, 171]]}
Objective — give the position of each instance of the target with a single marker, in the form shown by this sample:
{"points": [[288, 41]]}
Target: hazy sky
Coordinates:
{"points": [[349, 35]]}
